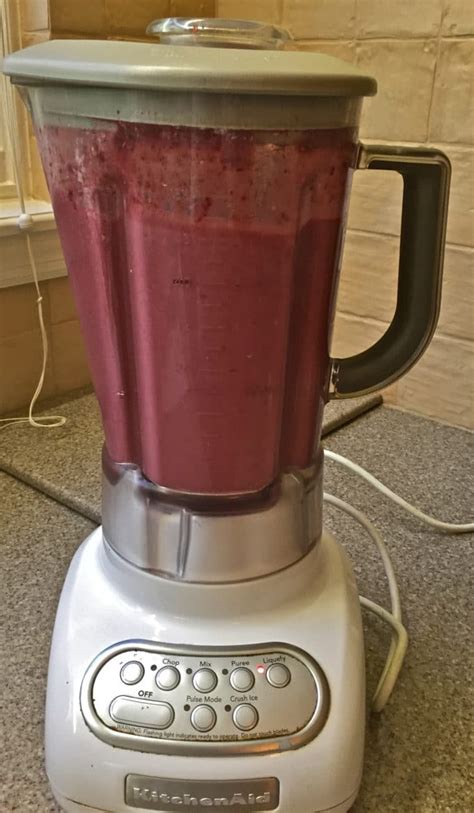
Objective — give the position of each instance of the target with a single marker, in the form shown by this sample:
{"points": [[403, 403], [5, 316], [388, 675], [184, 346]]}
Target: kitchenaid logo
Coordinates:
{"points": [[237, 799], [152, 793]]}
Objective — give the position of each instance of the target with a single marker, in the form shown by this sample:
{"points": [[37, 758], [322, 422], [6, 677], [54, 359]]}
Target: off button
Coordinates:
{"points": [[136, 712]]}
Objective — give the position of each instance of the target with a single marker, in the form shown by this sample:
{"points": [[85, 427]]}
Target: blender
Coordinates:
{"points": [[208, 647]]}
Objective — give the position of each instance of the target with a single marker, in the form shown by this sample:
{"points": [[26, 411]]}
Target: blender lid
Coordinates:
{"points": [[243, 57]]}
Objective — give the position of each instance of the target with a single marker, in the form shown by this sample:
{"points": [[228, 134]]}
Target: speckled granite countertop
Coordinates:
{"points": [[418, 752], [38, 537]]}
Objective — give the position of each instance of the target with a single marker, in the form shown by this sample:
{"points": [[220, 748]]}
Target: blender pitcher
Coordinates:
{"points": [[200, 196], [200, 189], [205, 289]]}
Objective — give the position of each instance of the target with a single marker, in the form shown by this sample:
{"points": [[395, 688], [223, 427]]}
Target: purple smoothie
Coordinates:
{"points": [[204, 266]]}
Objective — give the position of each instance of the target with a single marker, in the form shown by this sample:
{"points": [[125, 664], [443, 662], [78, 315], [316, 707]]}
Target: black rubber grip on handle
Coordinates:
{"points": [[426, 175]]}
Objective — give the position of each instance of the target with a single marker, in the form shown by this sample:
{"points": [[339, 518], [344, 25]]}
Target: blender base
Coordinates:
{"points": [[312, 608], [75, 807]]}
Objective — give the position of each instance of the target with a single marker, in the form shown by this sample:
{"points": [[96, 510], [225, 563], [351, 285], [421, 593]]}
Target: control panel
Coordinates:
{"points": [[168, 699]]}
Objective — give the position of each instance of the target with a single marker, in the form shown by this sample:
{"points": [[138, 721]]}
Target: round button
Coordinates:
{"points": [[245, 717], [242, 679], [205, 680], [203, 718], [167, 678], [278, 675], [132, 672]]}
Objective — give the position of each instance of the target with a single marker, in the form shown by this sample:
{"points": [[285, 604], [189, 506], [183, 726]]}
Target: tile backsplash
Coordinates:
{"points": [[422, 55], [20, 343]]}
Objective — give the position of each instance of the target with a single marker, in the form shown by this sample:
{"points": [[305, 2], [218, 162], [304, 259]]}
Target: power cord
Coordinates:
{"points": [[25, 224], [399, 643], [447, 527]]}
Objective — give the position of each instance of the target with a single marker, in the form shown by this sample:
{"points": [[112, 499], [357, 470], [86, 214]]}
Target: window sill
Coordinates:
{"points": [[14, 265], [40, 210]]}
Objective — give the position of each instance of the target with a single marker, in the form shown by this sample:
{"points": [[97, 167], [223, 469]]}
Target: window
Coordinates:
{"points": [[14, 16], [7, 182]]}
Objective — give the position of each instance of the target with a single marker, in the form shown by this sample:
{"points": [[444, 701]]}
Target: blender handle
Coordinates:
{"points": [[426, 175]]}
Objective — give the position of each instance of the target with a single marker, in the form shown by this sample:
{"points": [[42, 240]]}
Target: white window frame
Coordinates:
{"points": [[48, 255], [7, 182]]}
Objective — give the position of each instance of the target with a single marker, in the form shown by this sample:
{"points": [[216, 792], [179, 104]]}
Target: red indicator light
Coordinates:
{"points": [[260, 669]]}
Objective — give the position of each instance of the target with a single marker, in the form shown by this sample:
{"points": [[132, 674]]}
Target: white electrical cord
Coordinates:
{"points": [[377, 538], [398, 647], [25, 222], [447, 527], [395, 658]]}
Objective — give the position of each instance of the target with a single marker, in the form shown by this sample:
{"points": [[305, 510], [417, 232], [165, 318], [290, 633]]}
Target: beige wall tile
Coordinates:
{"points": [[402, 18], [376, 201], [458, 18], [369, 272], [124, 17], [331, 19], [45, 246], [74, 35], [452, 114], [34, 37], [390, 394], [265, 10], [338, 48], [353, 335], [20, 363], [77, 17], [442, 383], [461, 196], [34, 14], [457, 302], [18, 309], [69, 360], [192, 8], [404, 72], [369, 283], [61, 303]]}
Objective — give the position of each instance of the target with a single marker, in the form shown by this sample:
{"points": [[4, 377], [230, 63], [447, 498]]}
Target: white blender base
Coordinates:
{"points": [[75, 807], [312, 605]]}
